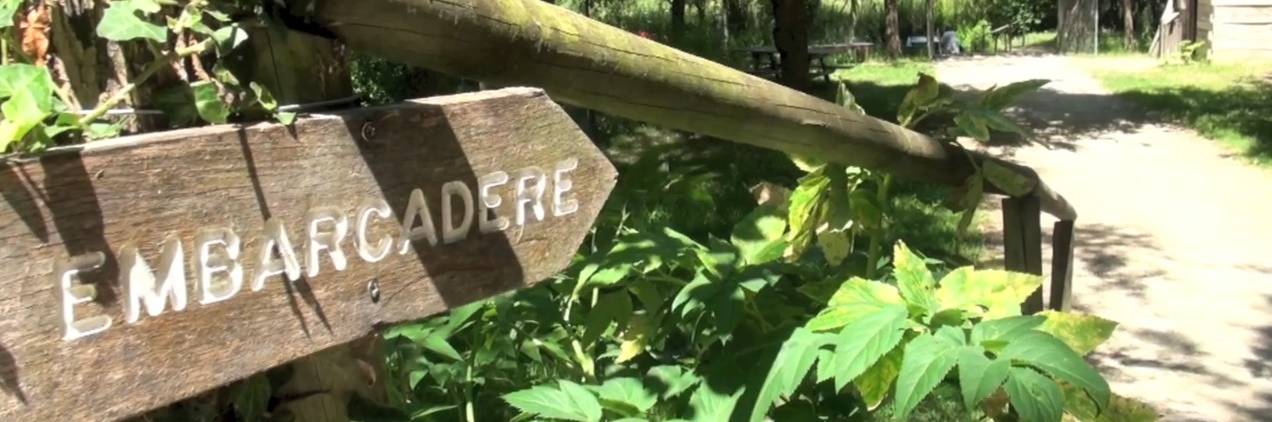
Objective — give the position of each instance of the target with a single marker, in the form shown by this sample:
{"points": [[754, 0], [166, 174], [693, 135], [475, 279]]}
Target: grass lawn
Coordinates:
{"points": [[1230, 103]]}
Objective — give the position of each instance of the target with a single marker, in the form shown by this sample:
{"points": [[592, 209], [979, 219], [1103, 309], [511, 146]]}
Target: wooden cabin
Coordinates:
{"points": [[1234, 29]]}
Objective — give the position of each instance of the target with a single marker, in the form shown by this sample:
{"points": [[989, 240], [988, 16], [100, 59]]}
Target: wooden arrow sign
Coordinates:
{"points": [[144, 270]]}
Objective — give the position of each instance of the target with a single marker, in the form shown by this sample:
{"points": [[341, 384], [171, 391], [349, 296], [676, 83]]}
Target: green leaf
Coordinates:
{"points": [[862, 343], [285, 117], [672, 380], [978, 376], [921, 96], [229, 37], [790, 367], [208, 101], [611, 307], [989, 293], [756, 232], [251, 398], [264, 97], [1005, 329], [628, 391], [914, 280], [1120, 409], [875, 383], [1049, 354], [1003, 96], [855, 298], [927, 359], [29, 90], [438, 344], [1082, 333], [635, 338], [7, 8], [567, 401], [1035, 397], [1008, 180], [21, 114], [121, 23], [710, 405], [972, 127]]}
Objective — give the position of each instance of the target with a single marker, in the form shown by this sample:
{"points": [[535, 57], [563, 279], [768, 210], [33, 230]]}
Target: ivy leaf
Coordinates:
{"points": [[978, 376], [1034, 396], [1049, 354], [914, 280], [21, 114], [854, 299], [756, 232], [628, 394], [121, 23], [875, 383], [861, 344], [927, 359], [285, 117], [264, 97], [229, 37], [1008, 180], [1082, 333], [7, 9], [567, 401], [790, 367], [208, 102]]}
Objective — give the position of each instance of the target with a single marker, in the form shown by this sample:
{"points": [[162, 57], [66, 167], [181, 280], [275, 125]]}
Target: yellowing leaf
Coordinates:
{"points": [[635, 338], [914, 279], [991, 293], [875, 383], [1082, 333], [855, 299]]}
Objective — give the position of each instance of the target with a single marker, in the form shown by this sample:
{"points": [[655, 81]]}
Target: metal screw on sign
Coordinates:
{"points": [[367, 132], [373, 289]]}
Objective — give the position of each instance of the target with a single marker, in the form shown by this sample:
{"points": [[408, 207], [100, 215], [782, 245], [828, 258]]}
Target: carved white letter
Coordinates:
{"points": [[383, 247], [417, 208], [531, 196], [561, 184], [225, 261], [143, 287], [274, 239], [329, 240], [490, 202], [74, 294], [450, 232]]}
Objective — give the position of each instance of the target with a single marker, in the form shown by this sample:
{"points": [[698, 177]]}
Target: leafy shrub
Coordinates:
{"points": [[976, 38]]}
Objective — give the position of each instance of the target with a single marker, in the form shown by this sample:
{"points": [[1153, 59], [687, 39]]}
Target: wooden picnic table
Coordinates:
{"points": [[765, 60]]}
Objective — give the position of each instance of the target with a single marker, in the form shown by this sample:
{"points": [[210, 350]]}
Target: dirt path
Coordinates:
{"points": [[1174, 241]]}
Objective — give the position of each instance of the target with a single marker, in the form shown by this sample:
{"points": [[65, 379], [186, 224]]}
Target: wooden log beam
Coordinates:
{"points": [[590, 64]]}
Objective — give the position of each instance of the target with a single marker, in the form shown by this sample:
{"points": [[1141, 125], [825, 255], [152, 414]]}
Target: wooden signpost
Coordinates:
{"points": [[144, 270]]}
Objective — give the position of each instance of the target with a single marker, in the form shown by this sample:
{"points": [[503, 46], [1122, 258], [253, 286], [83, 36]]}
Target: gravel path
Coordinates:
{"points": [[1174, 241]]}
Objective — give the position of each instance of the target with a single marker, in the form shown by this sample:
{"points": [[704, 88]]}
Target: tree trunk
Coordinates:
{"points": [[528, 42], [677, 19], [1128, 25], [931, 47], [790, 36], [852, 20], [735, 12], [892, 31]]}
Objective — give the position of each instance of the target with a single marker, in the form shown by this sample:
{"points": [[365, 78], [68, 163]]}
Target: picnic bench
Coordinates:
{"points": [[765, 60]]}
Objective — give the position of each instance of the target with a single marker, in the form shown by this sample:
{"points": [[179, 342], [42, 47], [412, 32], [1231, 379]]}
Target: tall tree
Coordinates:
{"points": [[790, 36], [892, 34], [677, 18], [931, 33], [1128, 24]]}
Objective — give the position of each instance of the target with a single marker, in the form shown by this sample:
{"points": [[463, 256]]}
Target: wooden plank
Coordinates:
{"points": [[1061, 266], [1242, 15], [1022, 240], [330, 183]]}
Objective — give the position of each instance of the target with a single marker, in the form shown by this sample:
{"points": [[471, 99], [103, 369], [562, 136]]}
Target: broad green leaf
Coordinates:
{"points": [[862, 343], [835, 245], [790, 367], [121, 23], [710, 405], [29, 90], [229, 37], [875, 383], [208, 101], [991, 293], [1035, 397], [611, 307], [972, 127], [978, 377], [628, 391], [1008, 180], [251, 398], [21, 114], [1001, 123], [635, 338], [807, 164], [438, 344], [921, 96], [1049, 354], [855, 299], [1003, 96], [1120, 409], [264, 97], [671, 380], [805, 200], [753, 235], [285, 117], [1004, 329], [927, 359], [567, 401], [7, 8], [1082, 333], [914, 280]]}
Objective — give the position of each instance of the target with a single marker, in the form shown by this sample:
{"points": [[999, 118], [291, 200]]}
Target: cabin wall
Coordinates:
{"points": [[1236, 29]]}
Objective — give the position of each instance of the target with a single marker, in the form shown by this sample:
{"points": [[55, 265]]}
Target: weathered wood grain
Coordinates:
{"points": [[138, 191]]}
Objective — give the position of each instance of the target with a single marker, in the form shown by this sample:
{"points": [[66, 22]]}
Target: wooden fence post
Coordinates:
{"points": [[1061, 265], [1022, 240]]}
